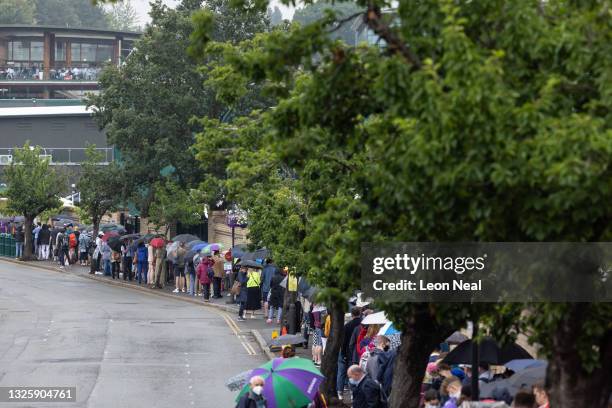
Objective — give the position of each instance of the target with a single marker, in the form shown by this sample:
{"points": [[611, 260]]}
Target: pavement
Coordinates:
{"points": [[121, 345]]}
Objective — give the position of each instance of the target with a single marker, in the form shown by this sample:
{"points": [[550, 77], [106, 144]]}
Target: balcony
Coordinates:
{"points": [[57, 73], [61, 156]]}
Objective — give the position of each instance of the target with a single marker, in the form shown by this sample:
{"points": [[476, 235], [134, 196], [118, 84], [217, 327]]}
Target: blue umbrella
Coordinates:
{"points": [[199, 247]]}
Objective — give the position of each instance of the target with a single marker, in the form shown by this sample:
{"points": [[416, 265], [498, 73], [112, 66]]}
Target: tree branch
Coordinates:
{"points": [[339, 23], [373, 19]]}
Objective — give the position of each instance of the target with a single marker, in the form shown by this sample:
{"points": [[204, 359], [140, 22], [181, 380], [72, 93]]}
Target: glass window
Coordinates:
{"points": [[88, 52], [105, 53], [75, 50], [60, 51], [36, 51], [21, 50]]}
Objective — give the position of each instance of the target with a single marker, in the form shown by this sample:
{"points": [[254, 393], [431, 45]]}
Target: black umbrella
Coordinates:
{"points": [[286, 340], [239, 250], [488, 351], [250, 264], [115, 243], [131, 236], [510, 386], [257, 254], [456, 338], [112, 227], [185, 238]]}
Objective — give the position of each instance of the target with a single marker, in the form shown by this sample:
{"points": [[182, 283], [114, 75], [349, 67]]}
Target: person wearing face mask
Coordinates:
{"points": [[431, 399], [454, 393], [540, 394], [367, 393], [254, 398]]}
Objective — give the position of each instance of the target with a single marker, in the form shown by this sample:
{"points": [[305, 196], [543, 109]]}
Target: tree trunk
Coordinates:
{"points": [[329, 363], [94, 235], [28, 247], [419, 338], [569, 384]]}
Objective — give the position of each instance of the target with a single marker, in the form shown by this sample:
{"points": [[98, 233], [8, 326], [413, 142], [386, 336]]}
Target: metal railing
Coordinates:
{"points": [[62, 156]]}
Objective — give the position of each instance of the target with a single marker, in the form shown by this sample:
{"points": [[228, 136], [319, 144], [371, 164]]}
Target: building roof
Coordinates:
{"points": [[45, 111], [73, 30]]}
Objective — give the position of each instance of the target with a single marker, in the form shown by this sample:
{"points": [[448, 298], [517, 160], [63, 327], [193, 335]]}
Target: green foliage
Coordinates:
{"points": [[70, 13], [147, 104], [122, 16], [174, 204], [16, 12], [479, 121], [100, 186], [33, 185]]}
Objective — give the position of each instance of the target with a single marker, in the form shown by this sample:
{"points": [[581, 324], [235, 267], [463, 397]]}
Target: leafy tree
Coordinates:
{"points": [[70, 13], [476, 122], [16, 12], [33, 187], [122, 16], [100, 186], [146, 105], [173, 204]]}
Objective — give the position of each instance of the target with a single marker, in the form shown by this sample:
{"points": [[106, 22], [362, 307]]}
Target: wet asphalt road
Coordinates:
{"points": [[119, 347]]}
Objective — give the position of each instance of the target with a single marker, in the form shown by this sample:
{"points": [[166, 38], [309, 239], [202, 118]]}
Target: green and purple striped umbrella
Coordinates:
{"points": [[289, 382]]}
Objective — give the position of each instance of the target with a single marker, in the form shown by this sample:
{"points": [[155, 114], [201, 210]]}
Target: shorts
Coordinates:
{"points": [[83, 256], [317, 338], [179, 271]]}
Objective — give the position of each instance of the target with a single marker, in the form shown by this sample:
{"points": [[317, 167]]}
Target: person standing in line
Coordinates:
{"points": [[253, 302], [179, 269], [127, 250], [275, 298], [106, 258], [115, 263], [151, 259], [219, 271], [141, 261], [242, 297], [345, 352], [83, 248], [541, 395], [35, 233], [366, 392], [44, 238], [61, 243], [19, 237], [204, 278], [269, 270], [160, 259]]}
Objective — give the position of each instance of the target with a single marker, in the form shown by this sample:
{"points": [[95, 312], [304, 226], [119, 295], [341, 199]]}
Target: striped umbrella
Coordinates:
{"points": [[289, 382]]}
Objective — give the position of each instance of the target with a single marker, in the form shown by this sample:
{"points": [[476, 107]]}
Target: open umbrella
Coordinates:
{"points": [[191, 244], [210, 248], [456, 338], [109, 234], [199, 247], [375, 318], [388, 330], [112, 227], [523, 364], [238, 381], [248, 264], [262, 253], [185, 238], [289, 382], [489, 352], [114, 243], [131, 236], [239, 250], [524, 379], [287, 339], [157, 242]]}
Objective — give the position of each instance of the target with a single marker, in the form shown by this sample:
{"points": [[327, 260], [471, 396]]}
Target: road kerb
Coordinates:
{"points": [[262, 344]]}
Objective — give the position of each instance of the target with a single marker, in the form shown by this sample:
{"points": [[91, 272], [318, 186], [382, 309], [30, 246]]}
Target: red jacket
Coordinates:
{"points": [[202, 273]]}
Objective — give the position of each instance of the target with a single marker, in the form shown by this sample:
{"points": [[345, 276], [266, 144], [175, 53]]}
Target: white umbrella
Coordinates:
{"points": [[375, 318]]}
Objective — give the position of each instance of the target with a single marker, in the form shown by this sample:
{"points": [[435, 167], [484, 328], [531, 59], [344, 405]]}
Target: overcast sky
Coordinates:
{"points": [[142, 7]]}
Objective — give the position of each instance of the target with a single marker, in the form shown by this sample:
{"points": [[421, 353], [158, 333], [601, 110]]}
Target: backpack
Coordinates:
{"points": [[73, 240]]}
